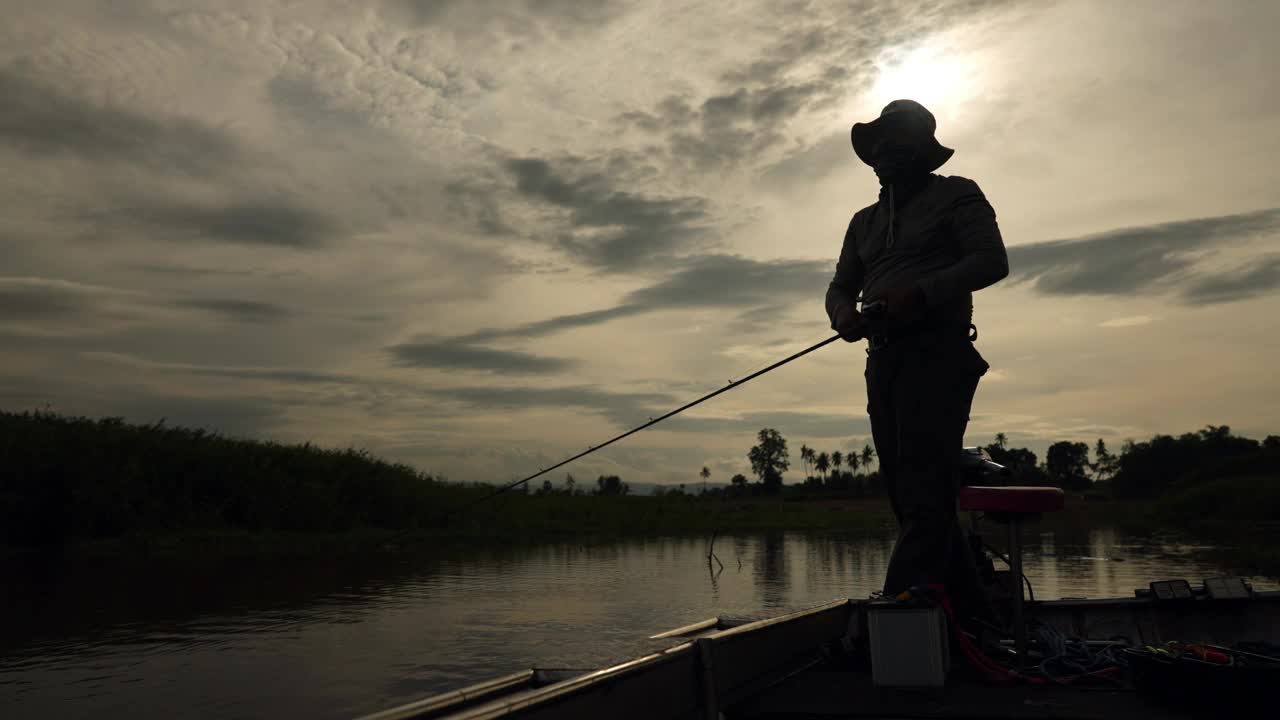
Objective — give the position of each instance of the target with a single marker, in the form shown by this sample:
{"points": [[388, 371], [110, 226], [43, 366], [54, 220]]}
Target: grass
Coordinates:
{"points": [[109, 486], [1241, 515], [76, 479]]}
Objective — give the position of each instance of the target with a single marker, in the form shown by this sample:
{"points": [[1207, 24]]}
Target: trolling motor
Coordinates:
{"points": [[977, 468]]}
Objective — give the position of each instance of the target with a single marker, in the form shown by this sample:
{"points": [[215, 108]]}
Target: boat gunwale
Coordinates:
{"points": [[442, 701], [503, 706], [683, 630], [768, 622]]}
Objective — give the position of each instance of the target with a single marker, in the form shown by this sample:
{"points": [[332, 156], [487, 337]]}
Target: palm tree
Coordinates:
{"points": [[1001, 440], [868, 453], [852, 460], [837, 459], [705, 474], [823, 462], [806, 454]]}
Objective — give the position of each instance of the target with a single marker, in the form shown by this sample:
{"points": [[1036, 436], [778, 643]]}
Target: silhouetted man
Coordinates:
{"points": [[922, 248]]}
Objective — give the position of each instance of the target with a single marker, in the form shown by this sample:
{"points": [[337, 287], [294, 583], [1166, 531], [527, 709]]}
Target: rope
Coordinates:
{"points": [[1068, 659]]}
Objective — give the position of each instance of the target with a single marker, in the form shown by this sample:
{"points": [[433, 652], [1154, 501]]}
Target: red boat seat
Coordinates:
{"points": [[1012, 499]]}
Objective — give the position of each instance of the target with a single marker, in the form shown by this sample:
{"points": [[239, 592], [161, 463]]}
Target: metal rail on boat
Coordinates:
{"points": [[715, 667], [678, 682]]}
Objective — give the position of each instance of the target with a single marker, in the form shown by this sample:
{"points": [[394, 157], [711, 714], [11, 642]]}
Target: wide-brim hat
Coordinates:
{"points": [[902, 113]]}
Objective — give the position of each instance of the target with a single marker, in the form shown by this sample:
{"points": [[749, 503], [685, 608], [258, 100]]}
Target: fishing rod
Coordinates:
{"points": [[872, 309]]}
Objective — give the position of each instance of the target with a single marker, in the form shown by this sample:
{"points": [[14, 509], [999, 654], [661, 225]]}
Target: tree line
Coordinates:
{"points": [[1143, 469], [1146, 469], [605, 485]]}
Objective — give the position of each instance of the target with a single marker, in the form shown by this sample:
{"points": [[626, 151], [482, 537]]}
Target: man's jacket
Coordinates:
{"points": [[943, 238]]}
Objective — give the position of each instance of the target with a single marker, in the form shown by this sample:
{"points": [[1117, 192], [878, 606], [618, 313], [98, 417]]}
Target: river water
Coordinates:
{"points": [[336, 639]]}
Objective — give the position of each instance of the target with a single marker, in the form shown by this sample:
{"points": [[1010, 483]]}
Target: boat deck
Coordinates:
{"points": [[850, 694], [841, 690]]}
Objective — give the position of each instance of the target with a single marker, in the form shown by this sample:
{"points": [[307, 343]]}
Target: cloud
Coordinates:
{"points": [[51, 307], [752, 321], [734, 281], [792, 48], [274, 224], [192, 271], [741, 124], [239, 310], [1140, 259], [807, 424], [1123, 322], [703, 281], [628, 410], [1116, 262], [454, 355], [40, 119], [517, 17], [621, 408], [800, 170], [552, 325], [1259, 278], [302, 99], [490, 397], [235, 416], [28, 298], [247, 416], [610, 228], [288, 375]]}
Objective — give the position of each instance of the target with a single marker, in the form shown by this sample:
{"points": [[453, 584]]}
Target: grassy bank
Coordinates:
{"points": [[108, 485], [69, 480], [1239, 514]]}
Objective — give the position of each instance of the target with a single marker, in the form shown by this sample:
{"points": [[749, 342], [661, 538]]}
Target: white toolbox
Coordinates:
{"points": [[908, 645]]}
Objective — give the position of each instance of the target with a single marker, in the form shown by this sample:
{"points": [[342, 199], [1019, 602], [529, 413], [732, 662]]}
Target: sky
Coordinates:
{"points": [[480, 236]]}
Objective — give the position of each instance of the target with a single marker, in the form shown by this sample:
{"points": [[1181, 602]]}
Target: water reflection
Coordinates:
{"points": [[335, 638], [771, 568]]}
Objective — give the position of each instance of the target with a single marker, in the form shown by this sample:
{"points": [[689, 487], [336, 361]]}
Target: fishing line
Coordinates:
{"points": [[653, 421]]}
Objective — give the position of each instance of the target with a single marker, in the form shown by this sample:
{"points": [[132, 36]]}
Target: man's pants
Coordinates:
{"points": [[919, 391]]}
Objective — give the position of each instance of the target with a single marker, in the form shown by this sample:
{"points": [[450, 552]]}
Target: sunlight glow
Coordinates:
{"points": [[939, 80]]}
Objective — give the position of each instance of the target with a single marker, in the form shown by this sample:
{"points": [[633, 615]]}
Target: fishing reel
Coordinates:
{"points": [[875, 317]]}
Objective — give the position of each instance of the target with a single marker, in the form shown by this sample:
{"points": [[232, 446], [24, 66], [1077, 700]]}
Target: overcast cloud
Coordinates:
{"points": [[479, 236]]}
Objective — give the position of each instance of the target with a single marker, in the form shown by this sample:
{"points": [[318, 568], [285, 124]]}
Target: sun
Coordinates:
{"points": [[938, 80]]}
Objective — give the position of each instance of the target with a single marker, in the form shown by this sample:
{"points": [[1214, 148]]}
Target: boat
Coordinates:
{"points": [[802, 665]]}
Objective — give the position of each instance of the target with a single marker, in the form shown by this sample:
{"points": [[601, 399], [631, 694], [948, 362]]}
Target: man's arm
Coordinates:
{"points": [[847, 283], [983, 260]]}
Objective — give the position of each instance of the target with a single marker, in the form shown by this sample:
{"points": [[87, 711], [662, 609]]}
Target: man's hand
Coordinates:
{"points": [[848, 322], [905, 305]]}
